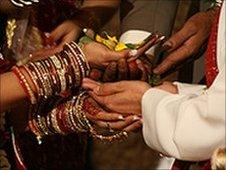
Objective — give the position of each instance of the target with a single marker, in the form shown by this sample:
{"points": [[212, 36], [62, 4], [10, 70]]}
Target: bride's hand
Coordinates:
{"points": [[64, 33], [99, 56], [107, 119], [123, 97]]}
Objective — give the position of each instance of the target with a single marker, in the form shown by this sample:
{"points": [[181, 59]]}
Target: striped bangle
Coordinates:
{"points": [[26, 87]]}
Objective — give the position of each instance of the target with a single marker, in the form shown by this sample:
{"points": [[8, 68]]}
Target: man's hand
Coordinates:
{"points": [[187, 41], [106, 119], [122, 97]]}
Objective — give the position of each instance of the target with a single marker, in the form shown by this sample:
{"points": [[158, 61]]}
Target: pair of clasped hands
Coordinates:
{"points": [[120, 102]]}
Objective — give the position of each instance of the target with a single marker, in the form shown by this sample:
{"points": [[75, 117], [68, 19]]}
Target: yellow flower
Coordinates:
{"points": [[120, 46], [111, 42], [99, 38], [113, 39]]}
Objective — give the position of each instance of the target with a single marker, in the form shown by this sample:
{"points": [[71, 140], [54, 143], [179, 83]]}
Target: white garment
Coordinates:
{"points": [[189, 125]]}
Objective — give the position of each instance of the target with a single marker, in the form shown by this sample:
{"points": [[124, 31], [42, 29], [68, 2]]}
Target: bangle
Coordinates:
{"points": [[24, 84]]}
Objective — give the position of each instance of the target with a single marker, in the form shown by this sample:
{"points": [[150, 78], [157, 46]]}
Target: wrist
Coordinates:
{"points": [[168, 87]]}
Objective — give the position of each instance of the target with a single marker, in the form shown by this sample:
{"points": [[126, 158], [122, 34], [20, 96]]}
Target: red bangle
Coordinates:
{"points": [[24, 84]]}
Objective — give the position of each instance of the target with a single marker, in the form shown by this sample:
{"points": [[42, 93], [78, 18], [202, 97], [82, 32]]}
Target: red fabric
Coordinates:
{"points": [[211, 71]]}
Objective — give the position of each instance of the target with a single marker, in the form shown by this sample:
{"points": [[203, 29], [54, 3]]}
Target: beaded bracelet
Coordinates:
{"points": [[24, 84]]}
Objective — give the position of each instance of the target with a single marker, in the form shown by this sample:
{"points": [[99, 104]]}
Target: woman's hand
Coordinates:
{"points": [[65, 33], [187, 41], [109, 120], [122, 97], [99, 56]]}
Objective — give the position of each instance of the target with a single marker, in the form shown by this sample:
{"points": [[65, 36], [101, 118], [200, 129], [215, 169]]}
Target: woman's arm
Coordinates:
{"points": [[11, 91]]}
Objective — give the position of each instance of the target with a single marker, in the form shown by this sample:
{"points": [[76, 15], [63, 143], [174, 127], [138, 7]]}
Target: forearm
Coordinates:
{"points": [[11, 91], [56, 75]]}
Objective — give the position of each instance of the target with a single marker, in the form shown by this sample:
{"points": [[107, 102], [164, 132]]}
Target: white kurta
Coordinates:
{"points": [[189, 125]]}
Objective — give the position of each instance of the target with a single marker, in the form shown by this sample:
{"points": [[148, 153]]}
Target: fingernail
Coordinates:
{"points": [[138, 61], [156, 71], [136, 118], [121, 117], [133, 52], [167, 46]]}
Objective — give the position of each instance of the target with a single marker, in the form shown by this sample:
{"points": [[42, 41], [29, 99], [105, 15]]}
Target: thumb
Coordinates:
{"points": [[116, 55], [57, 33], [109, 89], [89, 84]]}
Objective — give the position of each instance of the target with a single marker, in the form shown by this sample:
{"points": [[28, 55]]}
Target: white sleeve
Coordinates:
{"points": [[189, 125]]}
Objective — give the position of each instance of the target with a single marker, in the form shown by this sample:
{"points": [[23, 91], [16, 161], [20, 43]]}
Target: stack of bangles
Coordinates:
{"points": [[55, 78]]}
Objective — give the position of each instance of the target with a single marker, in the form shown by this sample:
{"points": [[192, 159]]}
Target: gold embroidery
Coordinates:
{"points": [[10, 28]]}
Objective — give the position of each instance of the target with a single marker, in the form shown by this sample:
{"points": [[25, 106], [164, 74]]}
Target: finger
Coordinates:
{"points": [[110, 72], [134, 71], [119, 125], [180, 37], [112, 102], [148, 45], [89, 84], [106, 116], [85, 80], [43, 53], [115, 55], [110, 88], [174, 58], [122, 69], [48, 40], [148, 65], [136, 126], [57, 33], [95, 74], [67, 39], [143, 69], [103, 101]]}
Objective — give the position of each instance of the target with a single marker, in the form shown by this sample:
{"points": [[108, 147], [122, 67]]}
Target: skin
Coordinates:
{"points": [[123, 97], [100, 58], [69, 31], [187, 41], [180, 46]]}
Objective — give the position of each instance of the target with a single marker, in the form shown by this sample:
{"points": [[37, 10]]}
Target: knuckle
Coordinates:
{"points": [[188, 50]]}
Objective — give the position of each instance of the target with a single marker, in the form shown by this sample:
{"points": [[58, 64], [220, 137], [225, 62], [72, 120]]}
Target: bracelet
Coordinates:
{"points": [[24, 84]]}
